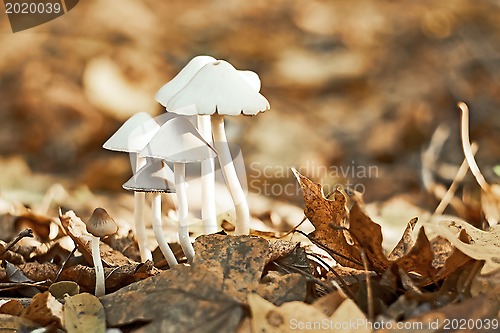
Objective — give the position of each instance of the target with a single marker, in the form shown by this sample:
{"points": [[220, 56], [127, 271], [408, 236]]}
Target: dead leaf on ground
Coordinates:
{"points": [[45, 309], [234, 259], [12, 307], [84, 313], [182, 298], [328, 217], [406, 241], [302, 317], [11, 323], [484, 245], [115, 277]]}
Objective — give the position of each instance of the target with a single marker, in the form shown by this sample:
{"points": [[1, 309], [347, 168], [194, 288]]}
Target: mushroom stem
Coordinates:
{"points": [[99, 270], [208, 211], [182, 210], [469, 156], [229, 172], [162, 243], [140, 228]]}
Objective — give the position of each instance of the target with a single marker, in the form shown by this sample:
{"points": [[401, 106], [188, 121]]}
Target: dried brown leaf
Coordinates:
{"points": [[279, 289], [419, 258], [12, 307], [234, 259], [302, 317], [368, 235], [406, 241], [45, 309], [115, 277], [484, 245], [182, 299], [328, 217], [10, 323]]}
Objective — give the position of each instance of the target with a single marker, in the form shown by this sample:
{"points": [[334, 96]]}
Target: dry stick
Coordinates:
{"points": [[330, 251], [448, 196], [294, 228], [369, 291], [308, 275], [345, 288], [20, 235], [64, 263]]}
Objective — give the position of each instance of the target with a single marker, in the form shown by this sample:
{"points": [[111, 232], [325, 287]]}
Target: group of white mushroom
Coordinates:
{"points": [[209, 89]]}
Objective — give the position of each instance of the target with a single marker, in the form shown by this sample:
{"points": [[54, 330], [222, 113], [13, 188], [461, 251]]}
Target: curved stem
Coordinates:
{"points": [[99, 270], [160, 238], [182, 210], [208, 211], [140, 228], [227, 167], [467, 148]]}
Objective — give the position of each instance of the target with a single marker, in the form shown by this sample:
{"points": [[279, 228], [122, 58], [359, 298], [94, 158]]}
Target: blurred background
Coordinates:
{"points": [[352, 85]]}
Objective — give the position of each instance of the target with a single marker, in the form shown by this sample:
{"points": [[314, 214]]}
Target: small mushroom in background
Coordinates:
{"points": [[163, 96], [179, 142], [100, 224], [218, 89], [155, 177], [131, 137]]}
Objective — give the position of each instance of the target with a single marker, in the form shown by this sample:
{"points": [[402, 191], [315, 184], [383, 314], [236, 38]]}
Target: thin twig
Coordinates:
{"points": [[24, 233], [64, 263], [294, 228], [345, 288], [306, 274], [330, 251]]}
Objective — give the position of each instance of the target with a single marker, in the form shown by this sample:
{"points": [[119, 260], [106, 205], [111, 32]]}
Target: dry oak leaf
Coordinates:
{"points": [[328, 217], [484, 245], [301, 317]]}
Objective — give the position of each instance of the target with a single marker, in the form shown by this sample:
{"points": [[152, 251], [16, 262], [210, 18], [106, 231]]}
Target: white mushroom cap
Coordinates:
{"points": [[155, 176], [182, 78], [100, 224], [252, 79], [171, 88], [178, 141], [218, 88], [134, 134]]}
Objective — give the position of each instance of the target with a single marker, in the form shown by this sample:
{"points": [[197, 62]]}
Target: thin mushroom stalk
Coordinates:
{"points": [[131, 137], [208, 210], [140, 227], [154, 177], [182, 210], [179, 142], [229, 172], [99, 269], [100, 224], [158, 231]]}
